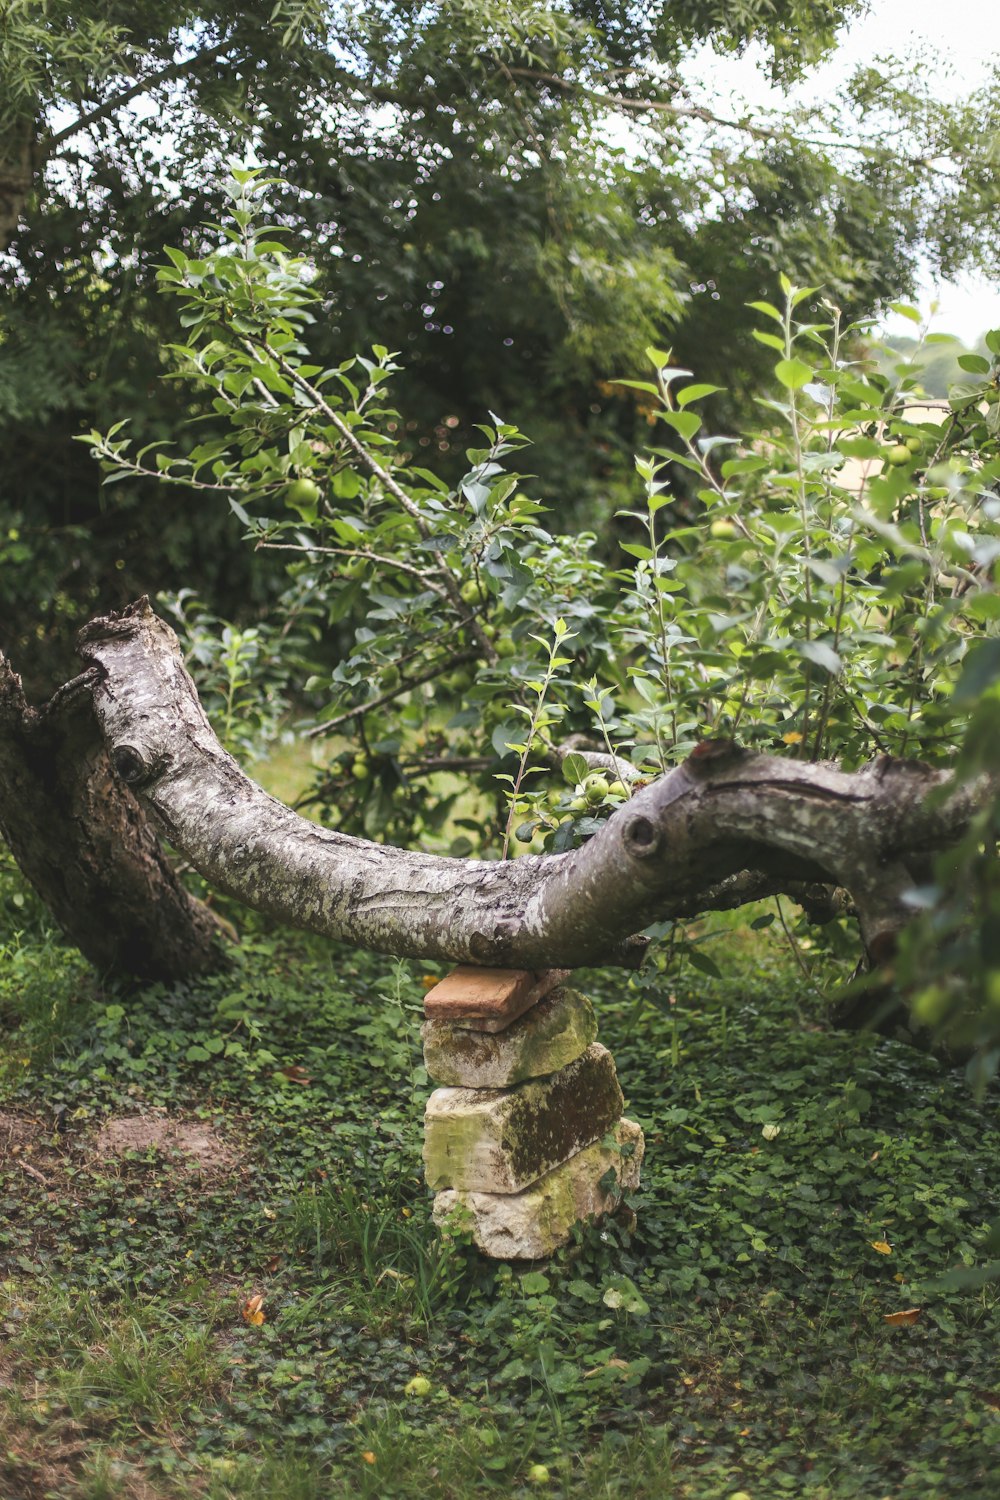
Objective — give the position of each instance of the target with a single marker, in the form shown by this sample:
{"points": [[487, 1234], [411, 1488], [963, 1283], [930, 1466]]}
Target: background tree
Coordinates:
{"points": [[470, 197]]}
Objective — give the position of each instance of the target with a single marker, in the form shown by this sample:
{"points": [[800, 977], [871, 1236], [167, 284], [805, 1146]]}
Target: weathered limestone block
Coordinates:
{"points": [[549, 1036], [501, 1141], [489, 999], [533, 1224]]}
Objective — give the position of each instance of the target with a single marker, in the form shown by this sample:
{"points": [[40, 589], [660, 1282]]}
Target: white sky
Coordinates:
{"points": [[957, 42]]}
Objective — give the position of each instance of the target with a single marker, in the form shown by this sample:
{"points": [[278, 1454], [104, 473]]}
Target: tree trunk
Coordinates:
{"points": [[17, 171], [724, 827], [86, 845]]}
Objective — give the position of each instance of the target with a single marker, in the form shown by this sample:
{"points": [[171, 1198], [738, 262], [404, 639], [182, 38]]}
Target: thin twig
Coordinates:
{"points": [[405, 685], [393, 487], [34, 1172], [704, 115], [375, 557]]}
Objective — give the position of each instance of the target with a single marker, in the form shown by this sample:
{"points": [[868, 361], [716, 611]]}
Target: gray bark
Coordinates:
{"points": [[723, 827]]}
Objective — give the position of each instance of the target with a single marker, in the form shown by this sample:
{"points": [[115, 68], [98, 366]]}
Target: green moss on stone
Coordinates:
{"points": [[502, 1140], [548, 1037]]}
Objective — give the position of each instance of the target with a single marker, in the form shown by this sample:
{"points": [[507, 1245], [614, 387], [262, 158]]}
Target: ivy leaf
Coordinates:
{"points": [[623, 1293]]}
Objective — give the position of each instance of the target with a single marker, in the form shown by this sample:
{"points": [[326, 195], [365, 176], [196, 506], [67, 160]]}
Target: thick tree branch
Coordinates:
{"points": [[18, 161], [723, 813], [177, 69]]}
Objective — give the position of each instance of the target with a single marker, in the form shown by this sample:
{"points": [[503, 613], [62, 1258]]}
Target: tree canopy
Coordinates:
{"points": [[519, 199]]}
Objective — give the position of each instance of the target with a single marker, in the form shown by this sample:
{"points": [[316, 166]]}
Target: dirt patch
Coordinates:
{"points": [[15, 1133], [188, 1143], [34, 1466]]}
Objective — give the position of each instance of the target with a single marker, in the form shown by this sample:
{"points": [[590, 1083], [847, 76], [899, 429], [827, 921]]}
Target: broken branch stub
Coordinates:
{"points": [[720, 814]]}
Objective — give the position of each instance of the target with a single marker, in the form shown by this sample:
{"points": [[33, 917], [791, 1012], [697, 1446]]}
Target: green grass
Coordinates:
{"points": [[735, 1340]]}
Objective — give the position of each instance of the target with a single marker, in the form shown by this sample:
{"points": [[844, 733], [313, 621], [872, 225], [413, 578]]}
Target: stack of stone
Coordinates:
{"points": [[519, 1135]]}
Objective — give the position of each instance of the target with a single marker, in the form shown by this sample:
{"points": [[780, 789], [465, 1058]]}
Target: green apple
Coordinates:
{"points": [[595, 788], [722, 531], [899, 454], [470, 593], [418, 1386], [303, 493], [538, 1474]]}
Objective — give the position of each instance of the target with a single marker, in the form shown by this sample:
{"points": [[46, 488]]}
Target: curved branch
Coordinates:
{"points": [[723, 812]]}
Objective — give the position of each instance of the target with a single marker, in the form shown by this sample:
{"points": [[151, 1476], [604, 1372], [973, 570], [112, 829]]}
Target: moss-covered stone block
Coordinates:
{"points": [[554, 1033], [533, 1224], [501, 1141]]}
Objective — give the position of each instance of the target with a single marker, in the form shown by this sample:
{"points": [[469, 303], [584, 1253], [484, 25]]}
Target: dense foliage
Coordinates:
{"points": [[814, 586], [519, 198]]}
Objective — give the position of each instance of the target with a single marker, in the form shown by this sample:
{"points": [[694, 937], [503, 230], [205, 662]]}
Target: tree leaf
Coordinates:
{"points": [[793, 373], [696, 393], [821, 655]]}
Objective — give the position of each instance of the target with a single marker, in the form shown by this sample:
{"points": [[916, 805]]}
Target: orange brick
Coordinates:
{"points": [[489, 999]]}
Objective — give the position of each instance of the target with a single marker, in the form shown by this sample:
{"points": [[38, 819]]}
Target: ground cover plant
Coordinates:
{"points": [[220, 1278]]}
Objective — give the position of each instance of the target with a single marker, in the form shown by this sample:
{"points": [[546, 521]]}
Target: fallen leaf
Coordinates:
{"points": [[252, 1310], [792, 737], [295, 1073], [368, 1457], [612, 1364], [909, 1315], [882, 1246], [429, 981]]}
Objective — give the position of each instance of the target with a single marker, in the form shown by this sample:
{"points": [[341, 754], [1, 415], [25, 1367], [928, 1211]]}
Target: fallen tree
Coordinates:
{"points": [[723, 828]]}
